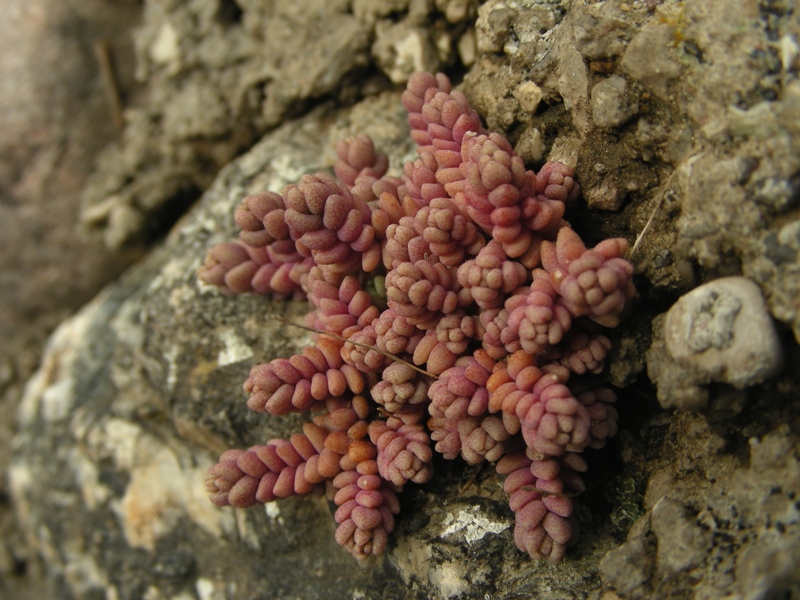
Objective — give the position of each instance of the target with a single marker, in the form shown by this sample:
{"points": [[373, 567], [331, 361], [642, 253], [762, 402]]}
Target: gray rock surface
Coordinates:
{"points": [[610, 104], [218, 74], [55, 120], [719, 525], [719, 332]]}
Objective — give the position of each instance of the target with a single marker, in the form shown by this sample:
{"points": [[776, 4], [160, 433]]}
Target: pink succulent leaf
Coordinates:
{"points": [[303, 381], [396, 334], [491, 275], [539, 497], [357, 158], [556, 181], [537, 320], [440, 347], [420, 179], [422, 292], [494, 321], [439, 117], [360, 351], [342, 308], [598, 401], [261, 219], [400, 387], [404, 451], [405, 243], [583, 352], [552, 420], [237, 268], [592, 283], [367, 505], [450, 235], [461, 390], [279, 469]]}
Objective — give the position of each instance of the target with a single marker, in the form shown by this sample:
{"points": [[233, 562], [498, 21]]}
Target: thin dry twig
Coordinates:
{"points": [[102, 52], [346, 341], [657, 207], [686, 167]]}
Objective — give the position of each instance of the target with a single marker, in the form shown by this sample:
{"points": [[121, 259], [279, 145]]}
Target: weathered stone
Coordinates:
{"points": [[649, 58], [682, 545], [503, 27], [401, 49], [218, 79], [605, 196], [627, 568], [722, 332], [529, 95], [573, 85], [768, 568], [600, 30], [610, 104]]}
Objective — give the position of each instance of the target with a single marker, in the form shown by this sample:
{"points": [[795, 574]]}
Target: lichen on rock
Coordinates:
{"points": [[719, 332]]}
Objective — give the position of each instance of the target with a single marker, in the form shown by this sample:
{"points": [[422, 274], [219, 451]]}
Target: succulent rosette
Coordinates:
{"points": [[455, 311]]}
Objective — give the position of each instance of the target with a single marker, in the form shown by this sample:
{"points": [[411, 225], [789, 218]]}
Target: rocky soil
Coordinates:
{"points": [[682, 120]]}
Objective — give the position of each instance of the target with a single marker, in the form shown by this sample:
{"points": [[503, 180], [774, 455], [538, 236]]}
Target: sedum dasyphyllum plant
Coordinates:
{"points": [[455, 311]]}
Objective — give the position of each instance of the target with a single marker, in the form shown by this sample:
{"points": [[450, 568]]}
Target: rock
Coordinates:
{"points": [[768, 568], [573, 85], [58, 113], [530, 145], [719, 332], [600, 31], [722, 331], [649, 57], [627, 568], [529, 95], [605, 196], [682, 545], [400, 49], [370, 11], [215, 78], [610, 104], [56, 120], [508, 28]]}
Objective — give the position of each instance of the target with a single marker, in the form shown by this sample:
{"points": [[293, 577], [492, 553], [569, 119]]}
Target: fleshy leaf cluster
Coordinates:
{"points": [[455, 311]]}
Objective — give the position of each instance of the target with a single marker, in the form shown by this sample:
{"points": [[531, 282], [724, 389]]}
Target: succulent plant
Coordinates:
{"points": [[490, 316]]}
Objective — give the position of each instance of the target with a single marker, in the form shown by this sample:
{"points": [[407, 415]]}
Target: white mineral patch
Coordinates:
{"points": [[449, 578], [235, 349], [116, 439], [57, 400], [172, 367], [208, 589], [284, 172], [50, 392], [273, 510], [409, 58], [789, 50], [471, 524], [82, 572], [162, 489], [93, 492], [165, 48], [529, 95]]}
